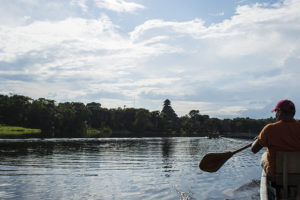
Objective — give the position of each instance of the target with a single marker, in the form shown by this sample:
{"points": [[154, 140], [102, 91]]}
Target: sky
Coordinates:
{"points": [[225, 58]]}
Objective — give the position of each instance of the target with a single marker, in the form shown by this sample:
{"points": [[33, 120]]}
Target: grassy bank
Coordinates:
{"points": [[97, 133], [18, 132]]}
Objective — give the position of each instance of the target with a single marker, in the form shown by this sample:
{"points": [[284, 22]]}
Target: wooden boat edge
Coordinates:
{"points": [[263, 186]]}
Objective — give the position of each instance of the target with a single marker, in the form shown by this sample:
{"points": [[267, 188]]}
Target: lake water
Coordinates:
{"points": [[125, 169]]}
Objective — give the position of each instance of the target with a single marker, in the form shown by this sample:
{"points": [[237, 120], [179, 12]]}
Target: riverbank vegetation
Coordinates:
{"points": [[75, 119], [17, 132]]}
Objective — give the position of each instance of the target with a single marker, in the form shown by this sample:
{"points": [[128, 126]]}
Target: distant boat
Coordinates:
{"points": [[214, 135]]}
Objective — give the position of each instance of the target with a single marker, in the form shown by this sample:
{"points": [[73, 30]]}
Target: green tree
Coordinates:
{"points": [[74, 118], [42, 115], [17, 110], [169, 119], [70, 119], [81, 117], [154, 119], [4, 104], [142, 121], [168, 111], [194, 114], [129, 117], [95, 115]]}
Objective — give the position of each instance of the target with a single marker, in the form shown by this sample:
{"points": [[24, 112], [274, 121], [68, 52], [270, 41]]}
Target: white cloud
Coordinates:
{"points": [[252, 30], [115, 103], [80, 3], [228, 111], [30, 2], [214, 69], [190, 27], [119, 5], [218, 14], [74, 34], [183, 107], [88, 52]]}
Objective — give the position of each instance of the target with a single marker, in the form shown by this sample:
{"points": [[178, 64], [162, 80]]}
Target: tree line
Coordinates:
{"points": [[75, 119]]}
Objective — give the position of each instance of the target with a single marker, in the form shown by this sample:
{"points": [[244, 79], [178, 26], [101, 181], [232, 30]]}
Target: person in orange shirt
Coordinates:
{"points": [[283, 135]]}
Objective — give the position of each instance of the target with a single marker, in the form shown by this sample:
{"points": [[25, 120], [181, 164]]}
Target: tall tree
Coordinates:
{"points": [[142, 121], [169, 119], [95, 118], [4, 101], [17, 110], [168, 111], [42, 115]]}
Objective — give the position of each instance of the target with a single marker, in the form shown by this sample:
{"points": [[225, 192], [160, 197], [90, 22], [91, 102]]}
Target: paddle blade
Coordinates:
{"points": [[212, 162]]}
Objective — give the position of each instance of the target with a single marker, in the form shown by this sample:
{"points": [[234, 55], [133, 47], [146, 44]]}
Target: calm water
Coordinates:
{"points": [[125, 169]]}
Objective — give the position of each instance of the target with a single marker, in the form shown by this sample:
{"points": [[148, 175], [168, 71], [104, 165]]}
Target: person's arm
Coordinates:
{"points": [[256, 147]]}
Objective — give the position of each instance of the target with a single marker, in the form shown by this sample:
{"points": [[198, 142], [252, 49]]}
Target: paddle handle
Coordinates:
{"points": [[241, 149]]}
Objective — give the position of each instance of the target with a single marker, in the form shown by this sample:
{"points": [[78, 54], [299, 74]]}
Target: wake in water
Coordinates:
{"points": [[184, 195], [248, 191]]}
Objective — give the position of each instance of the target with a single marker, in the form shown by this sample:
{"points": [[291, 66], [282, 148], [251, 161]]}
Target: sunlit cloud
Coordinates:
{"points": [[119, 5], [229, 111], [80, 3], [166, 27], [181, 107], [218, 14], [217, 69]]}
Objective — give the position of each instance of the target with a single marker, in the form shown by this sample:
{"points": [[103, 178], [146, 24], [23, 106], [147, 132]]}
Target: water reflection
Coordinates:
{"points": [[167, 149], [128, 168]]}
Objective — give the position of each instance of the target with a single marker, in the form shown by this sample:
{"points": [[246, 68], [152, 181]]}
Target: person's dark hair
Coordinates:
{"points": [[288, 113]]}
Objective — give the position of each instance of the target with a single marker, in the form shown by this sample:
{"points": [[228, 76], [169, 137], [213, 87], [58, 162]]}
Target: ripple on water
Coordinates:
{"points": [[128, 168]]}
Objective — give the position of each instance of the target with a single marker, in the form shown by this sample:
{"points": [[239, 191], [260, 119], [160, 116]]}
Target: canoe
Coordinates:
{"points": [[267, 192], [287, 178], [263, 186]]}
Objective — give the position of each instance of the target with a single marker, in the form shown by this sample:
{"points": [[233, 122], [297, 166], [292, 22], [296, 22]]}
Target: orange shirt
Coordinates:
{"points": [[279, 136]]}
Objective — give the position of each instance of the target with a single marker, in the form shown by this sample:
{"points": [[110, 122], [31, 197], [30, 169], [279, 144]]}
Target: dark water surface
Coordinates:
{"points": [[125, 169]]}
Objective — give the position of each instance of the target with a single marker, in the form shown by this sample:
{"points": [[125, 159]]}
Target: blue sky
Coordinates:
{"points": [[226, 58]]}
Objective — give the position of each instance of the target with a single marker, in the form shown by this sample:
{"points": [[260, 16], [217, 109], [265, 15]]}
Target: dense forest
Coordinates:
{"points": [[75, 119]]}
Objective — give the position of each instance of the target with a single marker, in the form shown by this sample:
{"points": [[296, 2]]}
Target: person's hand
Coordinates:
{"points": [[256, 147]]}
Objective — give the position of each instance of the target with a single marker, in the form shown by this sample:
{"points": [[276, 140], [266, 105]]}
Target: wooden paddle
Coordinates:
{"points": [[212, 162]]}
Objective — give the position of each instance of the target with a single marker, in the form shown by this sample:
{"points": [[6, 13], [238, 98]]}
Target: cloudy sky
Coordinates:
{"points": [[226, 58]]}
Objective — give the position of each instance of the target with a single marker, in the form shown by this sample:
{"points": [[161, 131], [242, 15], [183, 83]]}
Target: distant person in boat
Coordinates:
{"points": [[283, 135]]}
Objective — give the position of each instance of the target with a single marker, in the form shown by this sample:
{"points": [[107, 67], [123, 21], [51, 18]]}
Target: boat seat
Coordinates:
{"points": [[288, 175]]}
